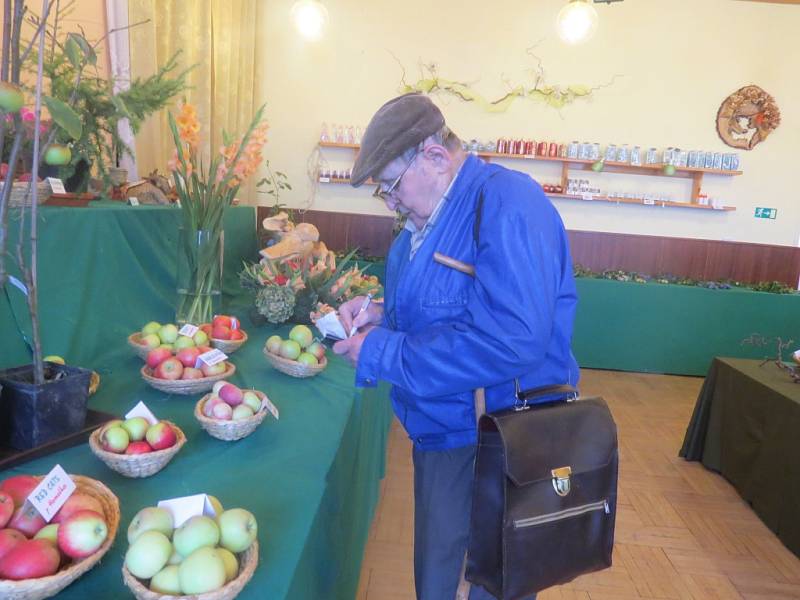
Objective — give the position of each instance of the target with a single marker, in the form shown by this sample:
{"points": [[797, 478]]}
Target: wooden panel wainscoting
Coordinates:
{"points": [[651, 255]]}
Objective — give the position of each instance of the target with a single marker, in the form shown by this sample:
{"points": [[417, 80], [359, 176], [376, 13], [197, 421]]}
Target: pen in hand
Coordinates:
{"points": [[364, 307]]}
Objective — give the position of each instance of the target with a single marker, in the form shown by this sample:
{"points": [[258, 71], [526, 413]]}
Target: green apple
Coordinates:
{"points": [[11, 98], [136, 428], [169, 347], [238, 529], [598, 166], [151, 327], [669, 170], [290, 349], [148, 554], [151, 341], [175, 559], [183, 342], [49, 533], [252, 400], [168, 333], [202, 571], [57, 155], [231, 564], [302, 335], [197, 532], [200, 338], [307, 358], [242, 412], [166, 581], [274, 344], [151, 518], [218, 510]]}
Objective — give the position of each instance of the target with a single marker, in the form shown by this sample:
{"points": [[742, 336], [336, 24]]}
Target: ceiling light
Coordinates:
{"points": [[577, 21], [309, 18]]}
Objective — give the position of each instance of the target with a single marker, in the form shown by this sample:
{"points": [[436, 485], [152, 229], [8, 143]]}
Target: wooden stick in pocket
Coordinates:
{"points": [[449, 261]]}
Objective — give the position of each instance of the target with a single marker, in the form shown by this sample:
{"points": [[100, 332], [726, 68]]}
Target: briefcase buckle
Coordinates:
{"points": [[561, 480]]}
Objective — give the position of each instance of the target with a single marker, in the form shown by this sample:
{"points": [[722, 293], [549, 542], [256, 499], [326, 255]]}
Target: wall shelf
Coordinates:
{"points": [[653, 170]]}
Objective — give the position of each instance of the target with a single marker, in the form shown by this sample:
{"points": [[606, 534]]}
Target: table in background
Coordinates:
{"points": [[746, 426]]}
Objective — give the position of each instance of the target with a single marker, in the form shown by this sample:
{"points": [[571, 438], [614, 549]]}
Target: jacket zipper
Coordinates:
{"points": [[563, 514]]}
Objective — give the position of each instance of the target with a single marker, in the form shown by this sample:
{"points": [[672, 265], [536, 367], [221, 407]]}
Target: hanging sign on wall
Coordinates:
{"points": [[747, 117]]}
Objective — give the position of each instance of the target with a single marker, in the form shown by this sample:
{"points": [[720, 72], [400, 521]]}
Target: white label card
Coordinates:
{"points": [[234, 323], [188, 330], [186, 507], [649, 201], [56, 185], [266, 402], [587, 196], [211, 358], [330, 326], [133, 201], [141, 410], [49, 496]]}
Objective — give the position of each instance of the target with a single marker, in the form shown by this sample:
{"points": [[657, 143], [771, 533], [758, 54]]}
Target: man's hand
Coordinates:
{"points": [[350, 314], [351, 347]]}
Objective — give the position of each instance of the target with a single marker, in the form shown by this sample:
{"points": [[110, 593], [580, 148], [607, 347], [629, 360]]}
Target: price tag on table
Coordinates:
{"points": [[141, 410], [267, 403], [186, 507], [211, 358], [49, 496], [188, 330], [56, 185]]}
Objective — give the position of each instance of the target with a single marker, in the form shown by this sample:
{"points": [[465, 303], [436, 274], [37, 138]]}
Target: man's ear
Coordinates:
{"points": [[439, 157]]}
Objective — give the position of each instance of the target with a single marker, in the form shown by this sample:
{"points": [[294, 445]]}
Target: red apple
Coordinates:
{"points": [[231, 394], [204, 349], [171, 369], [6, 508], [209, 405], [161, 436], [82, 533], [222, 320], [317, 349], [138, 448], [157, 356], [19, 487], [27, 520], [217, 369], [192, 373], [29, 560], [76, 502], [188, 356], [8, 539], [236, 334], [114, 439], [207, 328], [221, 332]]}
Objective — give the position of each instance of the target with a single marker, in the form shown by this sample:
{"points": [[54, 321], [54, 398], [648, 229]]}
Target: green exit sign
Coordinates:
{"points": [[766, 213]]}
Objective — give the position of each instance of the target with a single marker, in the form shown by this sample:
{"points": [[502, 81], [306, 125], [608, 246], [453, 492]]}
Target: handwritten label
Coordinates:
{"points": [[18, 284], [188, 330], [266, 403], [211, 358], [49, 496], [56, 185], [133, 201], [649, 201], [324, 179], [186, 507], [141, 410], [585, 196]]}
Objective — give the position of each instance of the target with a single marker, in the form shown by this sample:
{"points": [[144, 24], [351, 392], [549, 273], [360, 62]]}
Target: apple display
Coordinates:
{"points": [[175, 559], [114, 439], [231, 564], [8, 539], [148, 554], [218, 386], [237, 334], [242, 412], [19, 487], [306, 358], [152, 518], [6, 508], [302, 335], [290, 349], [274, 344], [202, 571], [27, 520], [222, 320], [252, 400], [151, 327], [192, 373], [188, 356], [213, 370], [161, 436], [208, 406], [150, 341], [317, 349], [49, 533], [222, 411], [77, 501], [197, 532], [30, 559], [221, 332], [231, 394], [238, 529], [82, 533], [156, 356], [166, 581], [182, 342], [201, 338], [170, 369], [136, 428], [141, 447], [168, 333]]}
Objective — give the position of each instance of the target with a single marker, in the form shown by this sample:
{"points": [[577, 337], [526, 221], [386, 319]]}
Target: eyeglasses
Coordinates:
{"points": [[382, 194]]}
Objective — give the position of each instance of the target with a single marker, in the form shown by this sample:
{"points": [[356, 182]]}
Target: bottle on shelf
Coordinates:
{"points": [[324, 136]]}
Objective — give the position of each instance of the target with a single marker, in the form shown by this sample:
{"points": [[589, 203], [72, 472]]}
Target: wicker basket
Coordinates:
{"points": [[141, 351], [47, 587], [248, 561], [186, 386], [137, 465], [229, 430], [229, 346], [94, 382], [294, 368], [21, 196]]}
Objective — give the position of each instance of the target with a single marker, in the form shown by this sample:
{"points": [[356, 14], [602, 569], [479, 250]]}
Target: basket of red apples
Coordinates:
{"points": [[180, 374], [208, 558], [225, 333], [299, 356], [37, 559], [230, 413], [134, 447], [155, 335]]}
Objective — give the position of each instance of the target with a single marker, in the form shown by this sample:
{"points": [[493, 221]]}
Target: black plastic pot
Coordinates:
{"points": [[31, 415]]}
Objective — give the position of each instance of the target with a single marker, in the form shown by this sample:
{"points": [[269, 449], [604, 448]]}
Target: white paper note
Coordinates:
{"points": [[49, 496], [141, 410], [186, 507], [330, 326], [211, 358]]}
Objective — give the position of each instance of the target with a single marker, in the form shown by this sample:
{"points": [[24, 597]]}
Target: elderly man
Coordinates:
{"points": [[441, 332]]}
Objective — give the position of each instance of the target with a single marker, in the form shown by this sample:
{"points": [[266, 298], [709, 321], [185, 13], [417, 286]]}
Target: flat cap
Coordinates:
{"points": [[400, 124]]}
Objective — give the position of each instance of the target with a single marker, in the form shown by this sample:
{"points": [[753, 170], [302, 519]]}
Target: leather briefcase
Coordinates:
{"points": [[544, 496]]}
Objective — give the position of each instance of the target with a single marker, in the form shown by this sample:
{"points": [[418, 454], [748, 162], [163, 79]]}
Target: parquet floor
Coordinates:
{"points": [[682, 531]]}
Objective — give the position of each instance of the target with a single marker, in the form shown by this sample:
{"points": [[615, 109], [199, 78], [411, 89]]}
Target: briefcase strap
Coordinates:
{"points": [[480, 403]]}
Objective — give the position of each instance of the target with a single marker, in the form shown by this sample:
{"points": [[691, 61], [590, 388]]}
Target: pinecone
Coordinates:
{"points": [[305, 302], [275, 302]]}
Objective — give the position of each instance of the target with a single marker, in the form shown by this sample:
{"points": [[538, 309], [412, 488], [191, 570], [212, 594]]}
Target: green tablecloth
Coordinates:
{"points": [[311, 478], [746, 425]]}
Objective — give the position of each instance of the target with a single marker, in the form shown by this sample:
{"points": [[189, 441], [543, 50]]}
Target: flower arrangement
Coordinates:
{"points": [[204, 192], [302, 288]]}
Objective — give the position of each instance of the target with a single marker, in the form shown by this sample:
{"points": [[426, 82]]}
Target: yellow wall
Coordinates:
{"points": [[679, 60]]}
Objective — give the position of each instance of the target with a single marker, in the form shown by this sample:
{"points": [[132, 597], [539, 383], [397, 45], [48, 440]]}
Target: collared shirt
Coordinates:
{"points": [[418, 236]]}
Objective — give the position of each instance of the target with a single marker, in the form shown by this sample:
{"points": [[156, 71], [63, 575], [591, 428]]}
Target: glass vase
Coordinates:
{"points": [[199, 276]]}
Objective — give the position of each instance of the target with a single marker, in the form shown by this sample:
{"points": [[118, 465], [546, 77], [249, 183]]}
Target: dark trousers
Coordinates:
{"points": [[442, 503]]}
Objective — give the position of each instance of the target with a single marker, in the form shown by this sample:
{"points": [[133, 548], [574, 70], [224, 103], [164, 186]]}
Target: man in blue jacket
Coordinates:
{"points": [[441, 333]]}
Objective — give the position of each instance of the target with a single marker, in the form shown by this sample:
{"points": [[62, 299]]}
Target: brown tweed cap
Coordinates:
{"points": [[400, 124]]}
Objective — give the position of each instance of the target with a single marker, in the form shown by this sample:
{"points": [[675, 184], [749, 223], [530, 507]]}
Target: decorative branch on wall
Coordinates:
{"points": [[555, 96], [747, 117]]}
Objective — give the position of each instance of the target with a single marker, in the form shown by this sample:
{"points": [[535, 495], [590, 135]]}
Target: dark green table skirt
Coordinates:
{"points": [[746, 425], [311, 478]]}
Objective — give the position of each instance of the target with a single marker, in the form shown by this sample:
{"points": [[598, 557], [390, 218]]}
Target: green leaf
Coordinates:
{"points": [[119, 104], [86, 48], [65, 117], [74, 53]]}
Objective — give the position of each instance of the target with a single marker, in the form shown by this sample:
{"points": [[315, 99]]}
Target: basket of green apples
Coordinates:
{"points": [[299, 356], [206, 558], [155, 335]]}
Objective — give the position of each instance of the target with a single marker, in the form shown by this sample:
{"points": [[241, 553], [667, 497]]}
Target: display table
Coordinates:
{"points": [[746, 425], [311, 478]]}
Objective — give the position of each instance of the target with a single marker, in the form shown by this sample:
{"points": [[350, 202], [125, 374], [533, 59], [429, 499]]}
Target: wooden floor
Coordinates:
{"points": [[682, 531]]}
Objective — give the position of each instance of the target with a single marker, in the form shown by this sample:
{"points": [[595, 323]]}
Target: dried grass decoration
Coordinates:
{"points": [[747, 117]]}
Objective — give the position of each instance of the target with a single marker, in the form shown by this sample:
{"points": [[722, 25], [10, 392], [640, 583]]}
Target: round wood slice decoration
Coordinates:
{"points": [[747, 117]]}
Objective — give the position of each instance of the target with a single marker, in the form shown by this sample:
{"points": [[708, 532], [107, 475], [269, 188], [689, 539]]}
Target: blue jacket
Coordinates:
{"points": [[445, 333]]}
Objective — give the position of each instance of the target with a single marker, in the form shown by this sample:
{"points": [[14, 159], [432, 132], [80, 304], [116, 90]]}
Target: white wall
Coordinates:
{"points": [[679, 61]]}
